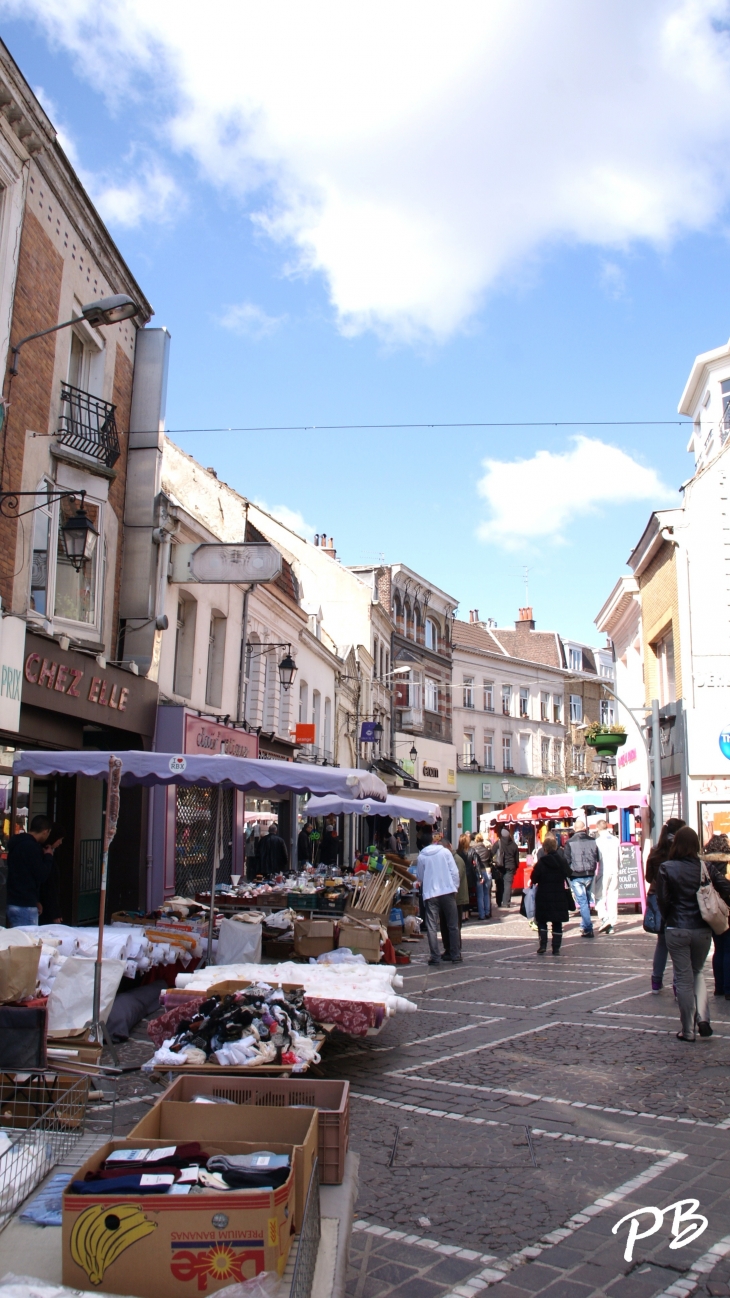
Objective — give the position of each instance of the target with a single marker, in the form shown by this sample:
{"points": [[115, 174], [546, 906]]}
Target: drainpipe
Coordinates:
{"points": [[656, 761]]}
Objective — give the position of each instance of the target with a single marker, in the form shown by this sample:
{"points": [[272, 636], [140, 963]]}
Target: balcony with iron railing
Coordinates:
{"points": [[87, 424]]}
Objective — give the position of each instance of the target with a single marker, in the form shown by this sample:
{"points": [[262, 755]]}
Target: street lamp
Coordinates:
{"points": [[79, 537], [506, 786], [106, 311], [287, 671], [413, 754], [377, 732]]}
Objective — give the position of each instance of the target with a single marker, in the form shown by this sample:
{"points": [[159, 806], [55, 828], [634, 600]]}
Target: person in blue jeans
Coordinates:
{"points": [[28, 869], [482, 859], [581, 852]]}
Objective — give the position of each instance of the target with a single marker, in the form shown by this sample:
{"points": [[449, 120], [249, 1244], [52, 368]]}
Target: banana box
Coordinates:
{"points": [[273, 1127], [168, 1245]]}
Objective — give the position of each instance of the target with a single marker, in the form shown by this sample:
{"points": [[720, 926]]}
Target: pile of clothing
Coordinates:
{"points": [[249, 1028], [183, 1169], [358, 984], [140, 948]]}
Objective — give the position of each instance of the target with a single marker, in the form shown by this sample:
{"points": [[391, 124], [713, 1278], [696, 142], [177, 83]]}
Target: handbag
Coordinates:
{"points": [[570, 898], [713, 909], [529, 900], [653, 918]]}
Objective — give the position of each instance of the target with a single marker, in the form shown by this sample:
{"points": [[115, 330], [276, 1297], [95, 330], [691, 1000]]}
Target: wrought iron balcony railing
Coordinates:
{"points": [[87, 424]]}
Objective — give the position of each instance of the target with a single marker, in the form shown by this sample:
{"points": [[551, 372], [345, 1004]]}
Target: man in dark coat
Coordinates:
{"points": [[509, 859], [581, 852], [273, 856], [552, 904], [304, 845], [28, 870]]}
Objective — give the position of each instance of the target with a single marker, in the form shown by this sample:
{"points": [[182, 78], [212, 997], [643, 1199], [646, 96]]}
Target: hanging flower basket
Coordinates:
{"points": [[606, 742]]}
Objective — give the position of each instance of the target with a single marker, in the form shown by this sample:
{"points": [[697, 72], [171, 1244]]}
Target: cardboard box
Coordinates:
{"points": [[162, 1246], [313, 937], [360, 939], [275, 1129]]}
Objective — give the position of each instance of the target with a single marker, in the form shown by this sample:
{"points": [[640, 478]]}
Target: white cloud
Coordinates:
{"points": [[291, 518], [537, 499], [415, 154], [613, 280], [250, 320], [151, 194]]}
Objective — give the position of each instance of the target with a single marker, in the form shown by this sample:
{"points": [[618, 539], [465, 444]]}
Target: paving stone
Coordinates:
{"points": [[418, 1288], [452, 1270], [392, 1272]]}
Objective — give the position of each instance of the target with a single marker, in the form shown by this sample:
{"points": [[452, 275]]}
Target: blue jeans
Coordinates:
{"points": [[581, 889], [484, 898], [19, 915]]}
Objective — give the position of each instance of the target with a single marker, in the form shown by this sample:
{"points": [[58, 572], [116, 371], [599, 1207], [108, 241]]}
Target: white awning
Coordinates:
{"points": [[408, 808]]}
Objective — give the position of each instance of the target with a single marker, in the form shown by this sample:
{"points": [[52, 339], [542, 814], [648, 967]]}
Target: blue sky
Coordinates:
{"points": [[443, 263]]}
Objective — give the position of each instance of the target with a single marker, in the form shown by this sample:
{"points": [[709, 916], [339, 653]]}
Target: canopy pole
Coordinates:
{"points": [[110, 829], [217, 843]]}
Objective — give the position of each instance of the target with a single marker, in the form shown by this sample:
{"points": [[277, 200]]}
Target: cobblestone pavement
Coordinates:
{"points": [[531, 1103]]}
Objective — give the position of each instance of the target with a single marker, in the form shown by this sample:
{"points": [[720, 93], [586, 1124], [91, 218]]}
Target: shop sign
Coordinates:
{"points": [[12, 647], [725, 742], [220, 562], [304, 733], [451, 777], [72, 683], [429, 771], [486, 793], [205, 737], [625, 759]]}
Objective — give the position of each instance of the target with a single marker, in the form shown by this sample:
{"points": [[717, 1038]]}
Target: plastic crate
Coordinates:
{"points": [[302, 900], [331, 905], [331, 1098]]}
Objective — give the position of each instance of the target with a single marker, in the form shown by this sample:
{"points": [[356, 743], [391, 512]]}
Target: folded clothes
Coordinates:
{"points": [[249, 1171], [139, 1183], [171, 1155]]}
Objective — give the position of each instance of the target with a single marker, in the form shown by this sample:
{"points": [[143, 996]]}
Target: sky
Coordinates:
{"points": [[506, 213]]}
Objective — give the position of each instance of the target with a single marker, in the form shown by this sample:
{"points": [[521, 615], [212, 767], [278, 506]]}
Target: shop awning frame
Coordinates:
{"points": [[394, 806]]}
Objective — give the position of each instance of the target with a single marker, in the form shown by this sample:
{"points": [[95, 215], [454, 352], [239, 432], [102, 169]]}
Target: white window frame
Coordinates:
{"points": [[576, 709], [92, 629], [557, 756], [468, 691], [544, 706], [488, 751], [545, 756], [557, 709], [575, 659], [468, 746], [607, 712], [508, 761], [524, 701], [431, 695], [489, 696], [431, 635], [507, 698], [579, 759]]}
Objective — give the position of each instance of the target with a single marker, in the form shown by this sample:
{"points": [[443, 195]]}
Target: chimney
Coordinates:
{"points": [[476, 614], [525, 620], [329, 547], [471, 614]]}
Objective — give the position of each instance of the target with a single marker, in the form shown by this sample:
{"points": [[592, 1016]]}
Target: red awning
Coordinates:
{"points": [[515, 811]]}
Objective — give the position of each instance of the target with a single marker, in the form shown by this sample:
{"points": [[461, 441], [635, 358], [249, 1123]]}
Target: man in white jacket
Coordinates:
{"points": [[609, 850], [439, 879]]}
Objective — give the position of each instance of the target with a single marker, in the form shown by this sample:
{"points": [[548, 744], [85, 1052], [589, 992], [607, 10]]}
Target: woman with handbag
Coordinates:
{"points": [[716, 848], [552, 895], [653, 921], [693, 898]]}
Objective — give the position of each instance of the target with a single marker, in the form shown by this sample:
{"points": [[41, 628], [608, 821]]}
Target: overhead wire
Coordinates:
{"points": [[496, 423]]}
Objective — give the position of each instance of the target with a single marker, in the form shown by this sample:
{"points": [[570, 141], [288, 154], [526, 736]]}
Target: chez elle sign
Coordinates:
{"points": [[72, 683]]}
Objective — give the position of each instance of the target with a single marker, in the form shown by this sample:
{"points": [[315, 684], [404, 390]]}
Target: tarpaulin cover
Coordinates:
{"points": [[248, 773], [408, 808]]}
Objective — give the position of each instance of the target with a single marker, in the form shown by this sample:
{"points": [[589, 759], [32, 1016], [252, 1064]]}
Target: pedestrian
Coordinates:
{"points": [[461, 854], [28, 870], [330, 842], [304, 846], [273, 856], [438, 875], [581, 854], [719, 846], [606, 895], [509, 859], [657, 856], [401, 838], [689, 937], [550, 880], [50, 891], [482, 858]]}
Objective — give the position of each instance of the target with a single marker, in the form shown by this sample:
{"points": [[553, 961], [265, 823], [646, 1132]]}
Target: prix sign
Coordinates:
{"points": [[250, 561]]}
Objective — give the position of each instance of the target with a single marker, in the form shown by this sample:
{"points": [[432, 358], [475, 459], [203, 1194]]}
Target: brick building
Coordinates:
{"points": [[66, 419]]}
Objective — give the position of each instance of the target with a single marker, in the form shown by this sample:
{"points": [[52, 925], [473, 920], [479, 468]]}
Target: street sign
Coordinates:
{"points": [[249, 561]]}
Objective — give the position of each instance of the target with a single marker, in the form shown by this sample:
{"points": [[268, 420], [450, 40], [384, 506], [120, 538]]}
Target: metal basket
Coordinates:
{"points": [[42, 1115], [308, 1242]]}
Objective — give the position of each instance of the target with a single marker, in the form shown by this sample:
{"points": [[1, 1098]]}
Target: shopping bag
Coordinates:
{"points": [[713, 909], [530, 903], [653, 920], [18, 973]]}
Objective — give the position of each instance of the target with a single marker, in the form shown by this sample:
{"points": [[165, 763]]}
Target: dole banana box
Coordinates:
{"points": [[174, 1121], [165, 1246]]}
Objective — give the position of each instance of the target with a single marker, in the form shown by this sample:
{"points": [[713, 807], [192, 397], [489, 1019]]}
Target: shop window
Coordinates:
{"points": [[187, 611], [524, 702], [506, 700], [507, 753], [545, 756], [216, 654], [56, 589], [489, 696], [664, 650], [489, 752], [576, 709], [468, 688], [432, 695], [432, 635]]}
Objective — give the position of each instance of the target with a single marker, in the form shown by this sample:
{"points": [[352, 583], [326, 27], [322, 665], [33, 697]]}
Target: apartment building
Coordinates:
{"points": [[67, 398], [621, 622], [508, 700]]}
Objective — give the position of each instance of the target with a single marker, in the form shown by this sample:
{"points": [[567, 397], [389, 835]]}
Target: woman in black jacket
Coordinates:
{"points": [[551, 896], [657, 856], [689, 938]]}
